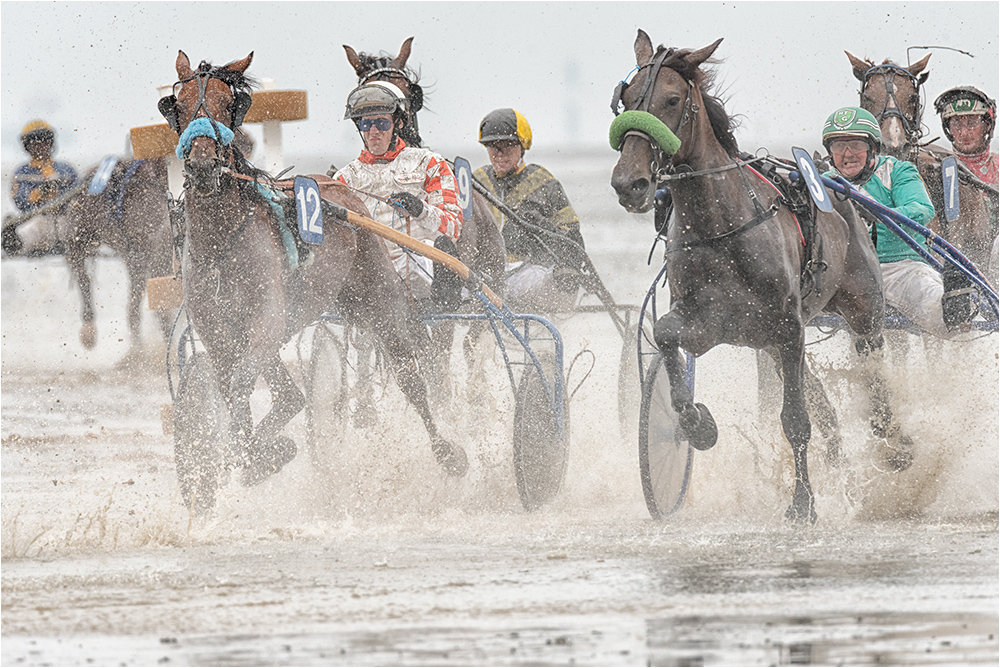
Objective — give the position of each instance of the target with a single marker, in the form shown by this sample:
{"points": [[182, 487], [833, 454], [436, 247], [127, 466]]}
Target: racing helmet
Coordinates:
{"points": [[502, 124], [855, 123], [966, 101], [37, 131], [373, 98]]}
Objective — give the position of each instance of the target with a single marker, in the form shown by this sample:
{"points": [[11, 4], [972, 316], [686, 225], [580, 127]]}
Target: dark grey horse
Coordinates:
{"points": [[735, 253]]}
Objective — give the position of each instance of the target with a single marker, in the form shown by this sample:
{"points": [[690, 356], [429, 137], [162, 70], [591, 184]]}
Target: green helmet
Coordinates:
{"points": [[852, 122]]}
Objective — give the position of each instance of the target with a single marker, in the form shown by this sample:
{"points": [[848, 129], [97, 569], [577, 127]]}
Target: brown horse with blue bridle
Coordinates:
{"points": [[736, 251], [244, 290]]}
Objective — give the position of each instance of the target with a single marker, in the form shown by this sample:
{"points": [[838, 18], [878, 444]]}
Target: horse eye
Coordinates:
{"points": [[674, 101]]}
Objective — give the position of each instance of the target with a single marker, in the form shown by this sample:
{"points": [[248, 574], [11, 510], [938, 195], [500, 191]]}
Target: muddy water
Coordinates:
{"points": [[361, 553]]}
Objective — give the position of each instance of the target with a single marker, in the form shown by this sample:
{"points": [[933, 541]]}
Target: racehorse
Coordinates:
{"points": [[243, 294], [735, 252], [892, 94], [130, 216]]}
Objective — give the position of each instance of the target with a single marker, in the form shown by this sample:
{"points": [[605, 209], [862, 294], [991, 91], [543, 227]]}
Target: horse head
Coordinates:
{"points": [[392, 69], [891, 93], [206, 108], [658, 129]]}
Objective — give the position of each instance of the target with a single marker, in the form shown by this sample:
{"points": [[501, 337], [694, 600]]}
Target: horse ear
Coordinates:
{"points": [[399, 62], [696, 58], [354, 60], [643, 49], [183, 66], [240, 65], [918, 67], [860, 66]]}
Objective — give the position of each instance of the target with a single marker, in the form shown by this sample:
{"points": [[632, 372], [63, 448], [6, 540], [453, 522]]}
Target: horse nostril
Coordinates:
{"points": [[640, 185]]}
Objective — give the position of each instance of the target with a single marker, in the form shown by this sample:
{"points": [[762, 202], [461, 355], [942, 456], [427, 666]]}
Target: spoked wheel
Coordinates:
{"points": [[664, 456], [540, 448], [201, 433], [327, 392], [629, 387]]}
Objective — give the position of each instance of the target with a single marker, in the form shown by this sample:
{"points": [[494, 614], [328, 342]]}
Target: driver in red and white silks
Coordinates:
{"points": [[419, 184], [968, 118]]}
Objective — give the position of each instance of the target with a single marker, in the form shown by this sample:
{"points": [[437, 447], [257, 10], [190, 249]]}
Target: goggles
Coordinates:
{"points": [[841, 146], [381, 124]]}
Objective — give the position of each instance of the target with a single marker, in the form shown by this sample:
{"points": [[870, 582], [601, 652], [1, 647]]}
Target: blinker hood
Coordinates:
{"points": [[647, 123]]}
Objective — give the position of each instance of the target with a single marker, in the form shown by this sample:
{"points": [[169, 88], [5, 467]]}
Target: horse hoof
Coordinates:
{"points": [[365, 415], [264, 465], [705, 434], [898, 452], [88, 335], [834, 453], [451, 458], [801, 516]]}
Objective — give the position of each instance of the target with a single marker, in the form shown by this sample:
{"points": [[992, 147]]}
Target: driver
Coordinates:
{"points": [[42, 179], [852, 139], [542, 273], [407, 188], [968, 118]]}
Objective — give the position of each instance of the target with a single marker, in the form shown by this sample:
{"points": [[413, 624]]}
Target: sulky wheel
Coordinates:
{"points": [[664, 456], [629, 385], [201, 432], [541, 443], [326, 392]]}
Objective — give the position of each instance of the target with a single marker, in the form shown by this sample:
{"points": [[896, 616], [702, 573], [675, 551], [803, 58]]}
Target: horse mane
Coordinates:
{"points": [[372, 62], [723, 125]]}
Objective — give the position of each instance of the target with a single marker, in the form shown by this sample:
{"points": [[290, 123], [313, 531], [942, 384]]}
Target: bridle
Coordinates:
{"points": [[239, 106], [660, 166], [891, 107]]}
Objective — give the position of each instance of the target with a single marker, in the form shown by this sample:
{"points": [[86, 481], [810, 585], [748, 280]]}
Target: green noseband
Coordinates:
{"points": [[647, 123]]}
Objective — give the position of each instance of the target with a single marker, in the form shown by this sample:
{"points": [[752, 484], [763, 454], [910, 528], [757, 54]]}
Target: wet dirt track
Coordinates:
{"points": [[366, 555]]}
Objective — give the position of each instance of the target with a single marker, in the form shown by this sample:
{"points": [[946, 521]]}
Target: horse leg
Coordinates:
{"points": [[76, 260], [695, 420], [437, 355], [401, 340], [365, 414], [271, 451], [821, 411], [795, 425], [898, 447], [136, 288]]}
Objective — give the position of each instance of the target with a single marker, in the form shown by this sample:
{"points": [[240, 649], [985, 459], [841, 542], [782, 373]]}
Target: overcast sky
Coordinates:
{"points": [[92, 69]]}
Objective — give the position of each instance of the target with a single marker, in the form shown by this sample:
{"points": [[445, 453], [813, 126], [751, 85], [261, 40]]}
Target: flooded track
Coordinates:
{"points": [[360, 552]]}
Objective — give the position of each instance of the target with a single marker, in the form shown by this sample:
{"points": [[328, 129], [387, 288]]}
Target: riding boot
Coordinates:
{"points": [[446, 287], [956, 302]]}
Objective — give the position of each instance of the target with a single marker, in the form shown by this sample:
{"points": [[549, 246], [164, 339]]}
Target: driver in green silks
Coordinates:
{"points": [[543, 271], [853, 140]]}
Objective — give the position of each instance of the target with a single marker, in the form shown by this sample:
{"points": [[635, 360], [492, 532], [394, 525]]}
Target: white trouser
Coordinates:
{"points": [[914, 289], [530, 288]]}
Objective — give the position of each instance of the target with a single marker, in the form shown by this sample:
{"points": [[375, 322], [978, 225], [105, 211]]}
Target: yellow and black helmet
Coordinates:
{"points": [[502, 124], [37, 131]]}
